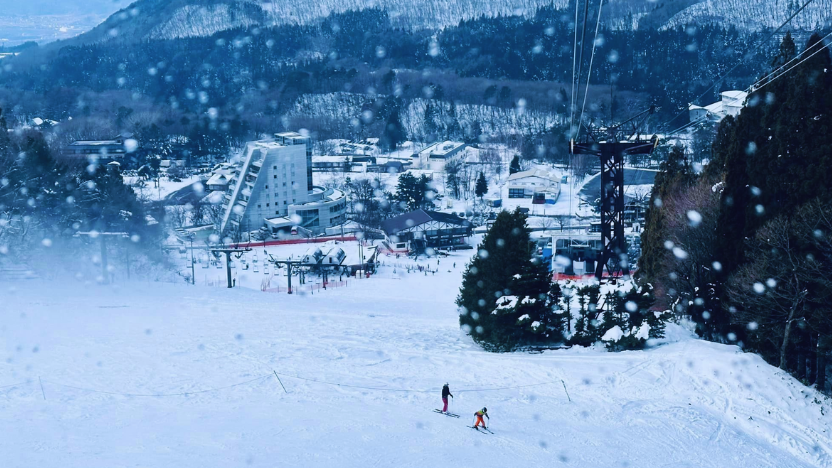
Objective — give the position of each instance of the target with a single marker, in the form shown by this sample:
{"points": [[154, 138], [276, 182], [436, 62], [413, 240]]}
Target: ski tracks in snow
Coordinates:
{"points": [[766, 423]]}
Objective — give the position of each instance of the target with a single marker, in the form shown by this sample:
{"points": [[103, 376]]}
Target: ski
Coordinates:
{"points": [[452, 415], [484, 430]]}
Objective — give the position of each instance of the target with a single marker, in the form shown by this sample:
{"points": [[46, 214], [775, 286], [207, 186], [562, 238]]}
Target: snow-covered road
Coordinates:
{"points": [[363, 367]]}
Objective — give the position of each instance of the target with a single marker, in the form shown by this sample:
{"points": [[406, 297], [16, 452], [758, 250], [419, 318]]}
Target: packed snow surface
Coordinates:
{"points": [[164, 375]]}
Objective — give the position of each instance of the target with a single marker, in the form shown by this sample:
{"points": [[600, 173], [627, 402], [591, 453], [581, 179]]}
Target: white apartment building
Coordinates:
{"points": [[730, 103], [273, 184]]}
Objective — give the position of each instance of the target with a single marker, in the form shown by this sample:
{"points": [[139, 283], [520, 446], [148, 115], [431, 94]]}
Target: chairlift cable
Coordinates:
{"points": [[742, 59], [762, 81], [581, 54], [790, 69], [574, 77], [589, 70]]}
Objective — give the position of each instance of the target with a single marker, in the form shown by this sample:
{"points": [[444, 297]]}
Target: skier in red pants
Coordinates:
{"points": [[446, 392]]}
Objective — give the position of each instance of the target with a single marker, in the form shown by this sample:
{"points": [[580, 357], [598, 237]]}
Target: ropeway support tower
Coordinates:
{"points": [[611, 145]]}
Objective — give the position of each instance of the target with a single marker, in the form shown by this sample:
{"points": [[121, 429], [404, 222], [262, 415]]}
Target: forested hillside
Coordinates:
{"points": [[743, 246], [251, 79]]}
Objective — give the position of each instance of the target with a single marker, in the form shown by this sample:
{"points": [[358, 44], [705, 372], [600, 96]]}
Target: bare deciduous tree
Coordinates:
{"points": [[771, 291], [178, 215]]}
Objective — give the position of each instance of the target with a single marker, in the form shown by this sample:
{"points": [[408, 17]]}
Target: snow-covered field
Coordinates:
{"points": [[164, 375], [166, 187]]}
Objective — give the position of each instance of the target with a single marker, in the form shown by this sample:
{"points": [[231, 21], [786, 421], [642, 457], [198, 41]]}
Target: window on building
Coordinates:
{"points": [[338, 207], [267, 204], [275, 176], [516, 193], [308, 218], [284, 184]]}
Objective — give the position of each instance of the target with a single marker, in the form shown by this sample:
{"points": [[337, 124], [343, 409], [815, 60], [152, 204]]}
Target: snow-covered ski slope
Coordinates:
{"points": [[141, 374]]}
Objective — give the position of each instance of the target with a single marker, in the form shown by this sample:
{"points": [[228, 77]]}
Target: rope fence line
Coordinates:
{"points": [[195, 392], [14, 385], [410, 390], [504, 388], [277, 375], [338, 384]]}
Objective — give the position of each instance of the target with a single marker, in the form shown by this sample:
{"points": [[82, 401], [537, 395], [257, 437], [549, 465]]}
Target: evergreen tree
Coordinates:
{"points": [[588, 328], [533, 320], [775, 157], [482, 186], [429, 123], [4, 134], [777, 153], [103, 202], [514, 166], [473, 132], [394, 133], [489, 94], [674, 174], [502, 285], [412, 193], [452, 128], [614, 311]]}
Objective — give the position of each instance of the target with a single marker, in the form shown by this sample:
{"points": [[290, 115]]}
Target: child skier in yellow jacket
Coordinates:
{"points": [[479, 414]]}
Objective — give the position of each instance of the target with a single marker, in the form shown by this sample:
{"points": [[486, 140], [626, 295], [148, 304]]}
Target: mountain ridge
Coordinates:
{"points": [[158, 19]]}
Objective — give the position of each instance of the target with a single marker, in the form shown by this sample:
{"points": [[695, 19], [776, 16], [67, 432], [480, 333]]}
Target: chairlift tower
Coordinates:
{"points": [[611, 145], [228, 252]]}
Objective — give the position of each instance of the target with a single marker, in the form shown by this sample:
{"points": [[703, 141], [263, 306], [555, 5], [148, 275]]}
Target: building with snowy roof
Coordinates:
{"points": [[526, 184], [427, 229], [730, 103], [220, 177], [108, 150], [435, 156]]}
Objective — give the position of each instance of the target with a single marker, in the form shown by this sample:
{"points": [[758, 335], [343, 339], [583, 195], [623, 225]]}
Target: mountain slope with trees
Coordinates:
{"points": [[742, 247]]}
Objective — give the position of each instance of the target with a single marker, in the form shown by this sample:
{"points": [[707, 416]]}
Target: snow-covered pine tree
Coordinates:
{"points": [[410, 191], [630, 313], [587, 329], [537, 305], [502, 285]]}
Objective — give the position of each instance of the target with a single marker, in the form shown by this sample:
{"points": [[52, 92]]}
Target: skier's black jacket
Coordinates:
{"points": [[446, 391]]}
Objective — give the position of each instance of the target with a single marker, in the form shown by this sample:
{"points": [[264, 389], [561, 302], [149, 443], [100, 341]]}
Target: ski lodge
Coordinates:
{"points": [[420, 229]]}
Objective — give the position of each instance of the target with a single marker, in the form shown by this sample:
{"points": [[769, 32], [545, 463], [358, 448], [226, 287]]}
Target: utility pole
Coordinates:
{"points": [[228, 253], [611, 152], [103, 235], [190, 238]]}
